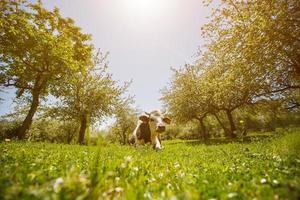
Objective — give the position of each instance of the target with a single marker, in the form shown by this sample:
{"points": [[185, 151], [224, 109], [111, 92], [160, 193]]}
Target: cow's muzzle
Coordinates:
{"points": [[160, 129]]}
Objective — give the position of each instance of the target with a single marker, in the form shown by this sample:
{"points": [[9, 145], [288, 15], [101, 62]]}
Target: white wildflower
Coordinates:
{"points": [[232, 194], [104, 194], [147, 195], [57, 184], [173, 197], [169, 186], [176, 165], [277, 158], [123, 165], [181, 174], [160, 175], [135, 169], [118, 189], [128, 158], [150, 180], [263, 181]]}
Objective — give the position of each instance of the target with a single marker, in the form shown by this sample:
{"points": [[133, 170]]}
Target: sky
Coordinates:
{"points": [[144, 38]]}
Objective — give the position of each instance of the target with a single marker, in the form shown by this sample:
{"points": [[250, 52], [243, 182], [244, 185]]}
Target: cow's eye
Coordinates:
{"points": [[152, 120]]}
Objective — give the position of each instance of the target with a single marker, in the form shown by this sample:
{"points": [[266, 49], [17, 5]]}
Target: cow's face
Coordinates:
{"points": [[157, 117]]}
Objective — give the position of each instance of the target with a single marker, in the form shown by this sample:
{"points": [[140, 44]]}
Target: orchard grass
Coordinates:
{"points": [[261, 169]]}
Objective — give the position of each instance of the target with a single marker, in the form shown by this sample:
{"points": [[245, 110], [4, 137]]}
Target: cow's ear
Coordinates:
{"points": [[167, 120], [144, 118]]}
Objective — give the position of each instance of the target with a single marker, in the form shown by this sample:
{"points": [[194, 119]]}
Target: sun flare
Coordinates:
{"points": [[144, 9]]}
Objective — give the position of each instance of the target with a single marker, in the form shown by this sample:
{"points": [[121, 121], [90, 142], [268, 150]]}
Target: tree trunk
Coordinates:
{"points": [[226, 131], [124, 137], [203, 128], [69, 136], [40, 84], [232, 125], [28, 120], [83, 126]]}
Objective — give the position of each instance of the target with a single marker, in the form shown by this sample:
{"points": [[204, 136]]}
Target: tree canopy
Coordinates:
{"points": [[251, 54], [38, 48], [89, 96]]}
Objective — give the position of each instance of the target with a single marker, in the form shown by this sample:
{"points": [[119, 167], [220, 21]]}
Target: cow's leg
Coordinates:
{"points": [[134, 134], [135, 140], [157, 144], [131, 140], [159, 139]]}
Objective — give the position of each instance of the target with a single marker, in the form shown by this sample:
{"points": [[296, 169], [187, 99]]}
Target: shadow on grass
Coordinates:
{"points": [[217, 141]]}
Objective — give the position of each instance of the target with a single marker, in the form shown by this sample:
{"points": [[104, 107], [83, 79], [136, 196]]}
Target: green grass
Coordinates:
{"points": [[267, 169]]}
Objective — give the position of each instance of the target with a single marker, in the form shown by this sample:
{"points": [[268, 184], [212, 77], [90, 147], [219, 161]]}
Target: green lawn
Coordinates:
{"points": [[268, 169]]}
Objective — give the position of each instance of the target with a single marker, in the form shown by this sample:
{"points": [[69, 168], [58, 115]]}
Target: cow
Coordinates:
{"points": [[142, 134]]}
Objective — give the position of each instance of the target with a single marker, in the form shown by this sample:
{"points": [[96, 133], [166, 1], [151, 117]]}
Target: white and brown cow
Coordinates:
{"points": [[142, 134]]}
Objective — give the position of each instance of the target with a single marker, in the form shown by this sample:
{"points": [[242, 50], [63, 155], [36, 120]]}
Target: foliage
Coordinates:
{"points": [[256, 45], [38, 48], [267, 115], [50, 130], [8, 128], [188, 97], [263, 116], [261, 36], [251, 55], [264, 169], [184, 96], [88, 96], [125, 122]]}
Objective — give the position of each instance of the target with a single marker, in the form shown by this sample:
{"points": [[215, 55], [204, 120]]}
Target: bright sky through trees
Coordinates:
{"points": [[144, 9], [144, 37]]}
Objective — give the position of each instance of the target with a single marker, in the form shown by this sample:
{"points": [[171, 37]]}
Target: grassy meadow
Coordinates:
{"points": [[253, 169], [214, 71]]}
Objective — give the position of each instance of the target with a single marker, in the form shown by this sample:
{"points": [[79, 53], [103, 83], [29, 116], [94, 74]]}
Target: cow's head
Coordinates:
{"points": [[158, 118]]}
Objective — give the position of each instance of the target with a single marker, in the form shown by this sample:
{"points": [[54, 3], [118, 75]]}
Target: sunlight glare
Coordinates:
{"points": [[144, 9]]}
